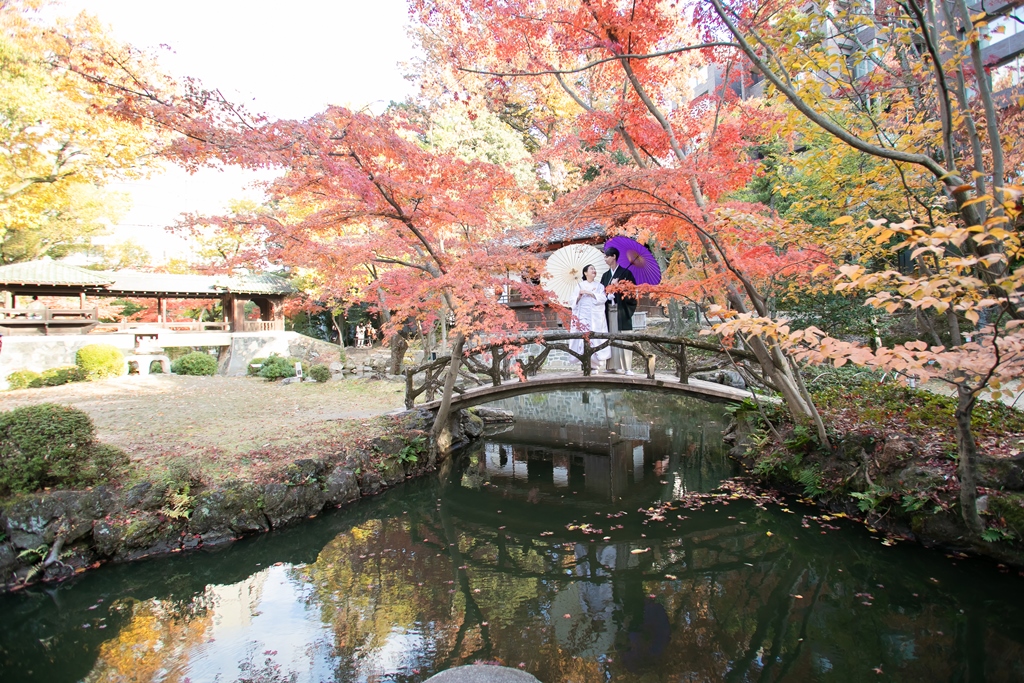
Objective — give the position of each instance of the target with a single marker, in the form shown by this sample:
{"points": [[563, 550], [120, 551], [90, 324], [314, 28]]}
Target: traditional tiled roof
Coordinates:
{"points": [[547, 235], [140, 284], [260, 283], [51, 273], [123, 283]]}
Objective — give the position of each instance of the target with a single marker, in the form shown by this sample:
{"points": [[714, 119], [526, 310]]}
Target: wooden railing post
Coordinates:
{"points": [[410, 399]]}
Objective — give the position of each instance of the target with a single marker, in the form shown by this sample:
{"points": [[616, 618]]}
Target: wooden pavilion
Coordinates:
{"points": [[21, 283]]}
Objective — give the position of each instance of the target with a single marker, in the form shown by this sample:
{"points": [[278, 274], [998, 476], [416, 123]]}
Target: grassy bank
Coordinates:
{"points": [[223, 428], [894, 461]]}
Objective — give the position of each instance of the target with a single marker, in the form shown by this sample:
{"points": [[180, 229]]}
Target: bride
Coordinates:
{"points": [[588, 315]]}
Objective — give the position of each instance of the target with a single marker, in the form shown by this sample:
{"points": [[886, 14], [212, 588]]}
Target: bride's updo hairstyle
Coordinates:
{"points": [[585, 269]]}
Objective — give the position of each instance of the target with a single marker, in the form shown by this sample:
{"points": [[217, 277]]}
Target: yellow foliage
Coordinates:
{"points": [[59, 138]]}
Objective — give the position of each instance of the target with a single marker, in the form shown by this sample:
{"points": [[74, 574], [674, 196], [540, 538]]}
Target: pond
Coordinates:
{"points": [[572, 546]]}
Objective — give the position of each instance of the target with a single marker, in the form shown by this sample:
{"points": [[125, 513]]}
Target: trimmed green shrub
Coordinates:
{"points": [[103, 463], [54, 377], [52, 445], [255, 365], [22, 379], [195, 364], [100, 361], [321, 373], [277, 367]]}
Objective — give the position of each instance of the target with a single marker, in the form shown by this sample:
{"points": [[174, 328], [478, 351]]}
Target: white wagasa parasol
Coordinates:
{"points": [[564, 270]]}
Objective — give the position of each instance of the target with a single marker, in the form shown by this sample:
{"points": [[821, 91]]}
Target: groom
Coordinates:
{"points": [[627, 305]]}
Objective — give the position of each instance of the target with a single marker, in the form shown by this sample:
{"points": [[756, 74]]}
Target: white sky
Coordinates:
{"points": [[287, 60]]}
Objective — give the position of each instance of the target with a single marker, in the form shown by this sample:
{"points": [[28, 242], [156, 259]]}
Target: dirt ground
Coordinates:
{"points": [[226, 426]]}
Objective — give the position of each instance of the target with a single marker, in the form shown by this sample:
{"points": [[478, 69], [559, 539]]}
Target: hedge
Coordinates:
{"points": [[100, 361], [196, 363], [53, 445]]}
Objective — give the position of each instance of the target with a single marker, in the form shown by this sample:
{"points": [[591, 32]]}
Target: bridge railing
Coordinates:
{"points": [[498, 361], [177, 326]]}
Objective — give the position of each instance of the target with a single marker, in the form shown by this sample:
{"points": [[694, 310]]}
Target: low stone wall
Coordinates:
{"points": [[238, 349], [66, 532], [42, 353], [234, 359], [556, 361]]}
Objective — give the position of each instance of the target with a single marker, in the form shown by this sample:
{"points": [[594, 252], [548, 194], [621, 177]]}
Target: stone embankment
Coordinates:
{"points": [[54, 535]]}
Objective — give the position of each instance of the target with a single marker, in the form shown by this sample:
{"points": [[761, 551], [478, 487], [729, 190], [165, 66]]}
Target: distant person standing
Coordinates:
{"points": [[37, 307], [360, 335]]}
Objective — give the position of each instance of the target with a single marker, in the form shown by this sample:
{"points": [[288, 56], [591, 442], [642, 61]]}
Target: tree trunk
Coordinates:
{"points": [[675, 317], [340, 329], [968, 459], [429, 344], [399, 345], [440, 434]]}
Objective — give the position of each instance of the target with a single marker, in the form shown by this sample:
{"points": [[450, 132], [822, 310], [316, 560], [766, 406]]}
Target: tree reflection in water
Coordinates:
{"points": [[533, 551], [527, 558]]}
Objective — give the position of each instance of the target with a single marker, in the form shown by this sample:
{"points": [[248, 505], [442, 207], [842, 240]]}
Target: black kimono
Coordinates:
{"points": [[626, 304]]}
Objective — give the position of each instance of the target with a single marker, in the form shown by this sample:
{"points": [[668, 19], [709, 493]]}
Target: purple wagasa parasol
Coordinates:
{"points": [[637, 258]]}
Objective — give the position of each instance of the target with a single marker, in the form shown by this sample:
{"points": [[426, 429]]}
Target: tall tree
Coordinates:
{"points": [[60, 138], [654, 161], [384, 221], [916, 97]]}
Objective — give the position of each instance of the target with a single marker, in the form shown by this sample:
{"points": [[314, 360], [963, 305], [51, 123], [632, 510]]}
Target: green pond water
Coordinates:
{"points": [[532, 551]]}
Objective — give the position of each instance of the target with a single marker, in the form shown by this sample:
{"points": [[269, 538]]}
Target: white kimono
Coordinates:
{"points": [[588, 316]]}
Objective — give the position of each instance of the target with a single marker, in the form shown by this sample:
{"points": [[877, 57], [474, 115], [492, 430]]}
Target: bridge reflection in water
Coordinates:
{"points": [[612, 447]]}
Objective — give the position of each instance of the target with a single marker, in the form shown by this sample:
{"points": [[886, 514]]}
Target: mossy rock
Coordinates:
{"points": [[305, 471], [235, 507], [1010, 507], [142, 530], [342, 486], [416, 420], [388, 445], [855, 445], [1001, 473], [283, 504], [920, 478], [107, 536], [897, 449], [392, 472], [472, 425]]}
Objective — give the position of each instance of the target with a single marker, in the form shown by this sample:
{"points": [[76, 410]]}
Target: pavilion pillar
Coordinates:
{"points": [[8, 299], [234, 312], [276, 312], [81, 300], [162, 308]]}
